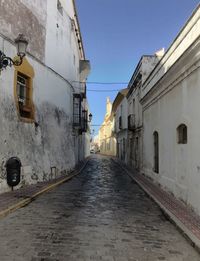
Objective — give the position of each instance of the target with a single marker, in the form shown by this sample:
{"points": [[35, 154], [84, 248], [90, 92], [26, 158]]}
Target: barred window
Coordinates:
{"points": [[77, 110], [24, 97]]}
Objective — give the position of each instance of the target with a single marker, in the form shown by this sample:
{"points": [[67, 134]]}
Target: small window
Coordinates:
{"points": [[156, 151], [120, 122], [182, 134]]}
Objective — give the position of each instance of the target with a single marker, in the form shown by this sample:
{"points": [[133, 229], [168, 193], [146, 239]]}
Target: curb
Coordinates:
{"points": [[27, 201], [195, 242]]}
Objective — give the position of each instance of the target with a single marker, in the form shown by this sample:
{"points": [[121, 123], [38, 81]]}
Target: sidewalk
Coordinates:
{"points": [[185, 219], [10, 201]]}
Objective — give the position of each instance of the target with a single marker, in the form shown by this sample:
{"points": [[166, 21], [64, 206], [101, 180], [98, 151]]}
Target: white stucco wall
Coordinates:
{"points": [[122, 110], [148, 63], [121, 134], [50, 142], [188, 35], [175, 100], [62, 52]]}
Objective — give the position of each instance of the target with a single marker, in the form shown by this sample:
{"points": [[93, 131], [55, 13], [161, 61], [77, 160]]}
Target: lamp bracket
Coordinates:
{"points": [[7, 61]]}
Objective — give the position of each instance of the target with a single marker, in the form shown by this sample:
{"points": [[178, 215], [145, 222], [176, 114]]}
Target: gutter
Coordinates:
{"points": [[78, 24]]}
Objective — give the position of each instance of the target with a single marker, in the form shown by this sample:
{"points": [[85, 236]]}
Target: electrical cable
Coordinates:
{"points": [[117, 90], [111, 83]]}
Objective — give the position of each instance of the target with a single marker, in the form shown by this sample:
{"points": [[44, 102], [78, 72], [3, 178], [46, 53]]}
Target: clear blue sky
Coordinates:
{"points": [[117, 33]]}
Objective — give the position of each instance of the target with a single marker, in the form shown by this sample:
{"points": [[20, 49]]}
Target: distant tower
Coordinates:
{"points": [[108, 106]]}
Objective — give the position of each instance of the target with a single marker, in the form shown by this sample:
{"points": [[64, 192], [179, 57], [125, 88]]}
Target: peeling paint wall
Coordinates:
{"points": [[48, 147], [44, 145], [27, 18]]}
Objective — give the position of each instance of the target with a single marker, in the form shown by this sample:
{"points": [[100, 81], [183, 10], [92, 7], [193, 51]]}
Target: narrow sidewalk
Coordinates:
{"points": [[10, 201], [185, 219]]}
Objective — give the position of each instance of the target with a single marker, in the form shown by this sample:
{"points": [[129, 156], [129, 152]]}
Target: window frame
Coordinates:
{"points": [[156, 151], [182, 134], [25, 107]]}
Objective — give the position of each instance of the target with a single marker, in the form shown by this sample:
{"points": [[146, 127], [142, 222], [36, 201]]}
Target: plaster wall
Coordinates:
{"points": [[121, 134], [86, 146], [62, 51], [170, 97], [188, 35], [134, 141], [46, 150], [82, 149], [106, 140], [49, 146], [179, 164], [25, 17], [148, 63], [122, 110], [134, 106]]}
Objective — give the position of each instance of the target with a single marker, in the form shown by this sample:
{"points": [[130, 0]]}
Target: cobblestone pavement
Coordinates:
{"points": [[99, 215]]}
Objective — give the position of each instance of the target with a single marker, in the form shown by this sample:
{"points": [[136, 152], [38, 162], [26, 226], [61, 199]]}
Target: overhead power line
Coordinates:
{"points": [[103, 82], [103, 90], [96, 125], [107, 83]]}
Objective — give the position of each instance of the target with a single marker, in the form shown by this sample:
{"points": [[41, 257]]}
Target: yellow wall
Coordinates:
{"points": [[27, 70], [106, 141]]}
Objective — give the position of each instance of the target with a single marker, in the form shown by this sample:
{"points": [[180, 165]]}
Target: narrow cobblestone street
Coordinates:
{"points": [[99, 215]]}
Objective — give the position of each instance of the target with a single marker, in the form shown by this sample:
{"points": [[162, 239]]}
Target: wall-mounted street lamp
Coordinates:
{"points": [[22, 44], [90, 117]]}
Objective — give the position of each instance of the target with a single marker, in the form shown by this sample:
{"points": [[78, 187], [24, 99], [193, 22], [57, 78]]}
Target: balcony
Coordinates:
{"points": [[131, 122]]}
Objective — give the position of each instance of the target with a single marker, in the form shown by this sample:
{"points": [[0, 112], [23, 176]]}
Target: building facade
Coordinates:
{"points": [[43, 104], [134, 110], [107, 142], [119, 113], [170, 100], [163, 116]]}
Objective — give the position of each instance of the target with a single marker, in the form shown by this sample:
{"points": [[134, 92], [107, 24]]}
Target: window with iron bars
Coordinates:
{"points": [[84, 121], [77, 110], [24, 96]]}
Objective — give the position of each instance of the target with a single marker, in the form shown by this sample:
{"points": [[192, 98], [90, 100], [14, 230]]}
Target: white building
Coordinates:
{"points": [[107, 142], [43, 104], [134, 113], [157, 128], [170, 101], [119, 113]]}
